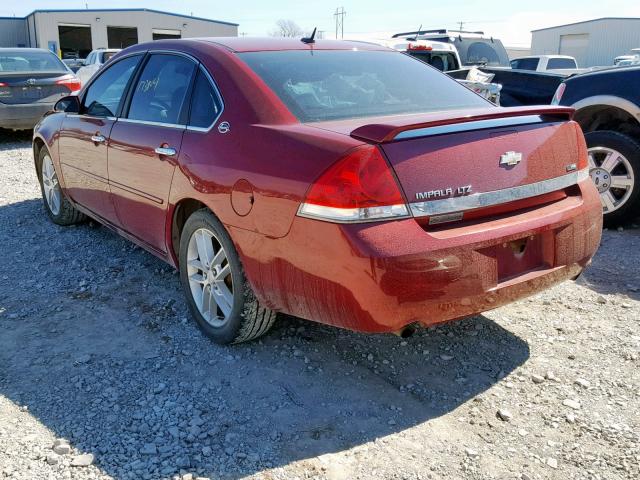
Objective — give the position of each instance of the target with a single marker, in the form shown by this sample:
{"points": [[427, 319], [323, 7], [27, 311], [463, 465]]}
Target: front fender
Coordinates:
{"points": [[47, 130]]}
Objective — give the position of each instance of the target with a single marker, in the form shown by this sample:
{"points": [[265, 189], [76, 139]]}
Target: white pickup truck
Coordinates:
{"points": [[444, 57], [563, 64]]}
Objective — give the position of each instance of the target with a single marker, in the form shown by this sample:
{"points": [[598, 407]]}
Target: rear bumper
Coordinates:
{"points": [[22, 116], [379, 277]]}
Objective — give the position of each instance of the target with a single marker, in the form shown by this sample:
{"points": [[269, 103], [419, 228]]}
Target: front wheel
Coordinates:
{"points": [[218, 294], [614, 167], [58, 208]]}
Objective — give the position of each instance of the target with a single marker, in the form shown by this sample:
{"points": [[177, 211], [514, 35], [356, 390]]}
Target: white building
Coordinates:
{"points": [[593, 42], [72, 33]]}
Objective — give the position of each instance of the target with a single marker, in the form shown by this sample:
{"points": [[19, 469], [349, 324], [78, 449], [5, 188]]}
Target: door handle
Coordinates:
{"points": [[166, 151], [98, 138]]}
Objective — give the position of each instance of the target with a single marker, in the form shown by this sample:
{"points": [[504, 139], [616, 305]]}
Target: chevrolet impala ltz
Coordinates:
{"points": [[340, 182]]}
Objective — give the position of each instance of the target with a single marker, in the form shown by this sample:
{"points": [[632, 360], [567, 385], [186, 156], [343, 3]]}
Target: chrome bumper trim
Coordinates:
{"points": [[496, 197]]}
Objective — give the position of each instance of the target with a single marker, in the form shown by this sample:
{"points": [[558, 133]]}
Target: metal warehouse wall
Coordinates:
{"points": [[607, 38], [145, 21], [13, 32]]}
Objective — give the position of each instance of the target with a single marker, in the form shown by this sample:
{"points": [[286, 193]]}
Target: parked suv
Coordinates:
{"points": [[473, 47], [607, 104], [93, 62]]}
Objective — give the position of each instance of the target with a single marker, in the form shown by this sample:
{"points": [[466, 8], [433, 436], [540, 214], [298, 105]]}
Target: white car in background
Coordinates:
{"points": [[631, 59], [93, 62]]}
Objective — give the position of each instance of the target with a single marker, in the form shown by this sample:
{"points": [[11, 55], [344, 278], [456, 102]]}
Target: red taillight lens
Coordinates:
{"points": [[558, 95], [359, 187], [2, 84], [73, 84]]}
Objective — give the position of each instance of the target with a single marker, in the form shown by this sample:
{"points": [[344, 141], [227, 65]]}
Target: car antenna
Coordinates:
{"points": [[415, 39], [311, 39]]}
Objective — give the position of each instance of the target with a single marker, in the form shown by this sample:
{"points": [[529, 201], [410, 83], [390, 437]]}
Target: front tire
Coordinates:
{"points": [[56, 204], [218, 294], [614, 166]]}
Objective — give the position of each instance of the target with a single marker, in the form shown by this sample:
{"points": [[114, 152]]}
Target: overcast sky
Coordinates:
{"points": [[508, 20]]}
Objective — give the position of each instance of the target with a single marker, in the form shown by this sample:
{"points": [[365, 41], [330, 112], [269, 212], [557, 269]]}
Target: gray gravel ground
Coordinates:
{"points": [[103, 374]]}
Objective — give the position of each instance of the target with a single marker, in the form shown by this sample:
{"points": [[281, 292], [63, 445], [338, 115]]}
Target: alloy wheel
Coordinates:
{"points": [[210, 278], [612, 175], [51, 186]]}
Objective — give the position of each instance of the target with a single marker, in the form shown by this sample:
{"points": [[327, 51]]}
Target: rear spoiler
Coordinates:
{"points": [[411, 126]]}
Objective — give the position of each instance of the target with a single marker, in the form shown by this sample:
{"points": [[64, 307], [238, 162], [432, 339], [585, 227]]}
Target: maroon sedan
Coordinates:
{"points": [[340, 182]]}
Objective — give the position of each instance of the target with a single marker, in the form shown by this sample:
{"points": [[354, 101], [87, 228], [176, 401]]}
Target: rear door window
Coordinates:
{"points": [[104, 95], [160, 92], [205, 103]]}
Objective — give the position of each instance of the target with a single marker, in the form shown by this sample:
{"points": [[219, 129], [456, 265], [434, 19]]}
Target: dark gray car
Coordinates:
{"points": [[32, 80]]}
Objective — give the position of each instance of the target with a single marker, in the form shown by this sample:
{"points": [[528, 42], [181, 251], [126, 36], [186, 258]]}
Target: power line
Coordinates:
{"points": [[340, 13]]}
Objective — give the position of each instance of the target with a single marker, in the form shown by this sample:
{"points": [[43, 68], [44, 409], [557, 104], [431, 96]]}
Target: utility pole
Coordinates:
{"points": [[461, 25], [340, 13]]}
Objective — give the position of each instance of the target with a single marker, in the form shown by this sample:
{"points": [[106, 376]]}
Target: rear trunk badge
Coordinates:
{"points": [[510, 158]]}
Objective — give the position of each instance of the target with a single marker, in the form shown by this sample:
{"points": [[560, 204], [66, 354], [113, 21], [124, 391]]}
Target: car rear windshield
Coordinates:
{"points": [[337, 84], [30, 62]]}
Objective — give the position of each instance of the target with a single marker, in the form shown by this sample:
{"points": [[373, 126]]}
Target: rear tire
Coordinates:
{"points": [[56, 204], [623, 203], [218, 294]]}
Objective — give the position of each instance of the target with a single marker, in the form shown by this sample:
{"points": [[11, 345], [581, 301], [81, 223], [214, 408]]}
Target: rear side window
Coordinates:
{"points": [[558, 63], [525, 63], [104, 94], [160, 92], [205, 103], [337, 84]]}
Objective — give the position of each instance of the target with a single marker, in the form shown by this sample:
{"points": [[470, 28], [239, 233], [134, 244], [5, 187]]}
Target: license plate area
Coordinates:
{"points": [[524, 255], [32, 93]]}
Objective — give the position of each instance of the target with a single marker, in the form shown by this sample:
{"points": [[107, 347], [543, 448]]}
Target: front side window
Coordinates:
{"points": [[104, 94], [337, 84], [205, 103], [160, 92]]}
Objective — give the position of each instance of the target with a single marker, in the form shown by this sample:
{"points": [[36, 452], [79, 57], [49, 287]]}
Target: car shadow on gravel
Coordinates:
{"points": [[616, 267], [105, 356], [9, 138]]}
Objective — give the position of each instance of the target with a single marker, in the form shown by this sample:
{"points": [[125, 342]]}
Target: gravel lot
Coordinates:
{"points": [[103, 374]]}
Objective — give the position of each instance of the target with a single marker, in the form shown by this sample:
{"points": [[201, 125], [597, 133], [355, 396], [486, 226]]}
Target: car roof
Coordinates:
{"points": [[22, 50], [546, 56], [258, 44]]}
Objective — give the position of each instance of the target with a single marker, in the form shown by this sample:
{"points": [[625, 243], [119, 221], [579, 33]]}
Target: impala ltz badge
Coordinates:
{"points": [[510, 159], [444, 193]]}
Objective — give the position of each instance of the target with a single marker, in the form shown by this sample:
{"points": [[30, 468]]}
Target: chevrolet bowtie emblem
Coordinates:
{"points": [[510, 158]]}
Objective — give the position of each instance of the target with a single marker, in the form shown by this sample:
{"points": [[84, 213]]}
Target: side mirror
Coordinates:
{"points": [[69, 104]]}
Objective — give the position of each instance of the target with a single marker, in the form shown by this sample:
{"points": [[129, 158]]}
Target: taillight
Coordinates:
{"points": [[73, 84], [357, 188], [558, 95], [2, 84]]}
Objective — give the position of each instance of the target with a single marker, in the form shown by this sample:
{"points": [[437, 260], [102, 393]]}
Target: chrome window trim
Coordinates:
{"points": [[496, 197], [148, 122], [217, 92], [468, 126], [155, 124]]}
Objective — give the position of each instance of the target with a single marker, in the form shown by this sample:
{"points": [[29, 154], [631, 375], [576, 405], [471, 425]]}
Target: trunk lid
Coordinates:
{"points": [[498, 158], [21, 88]]}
